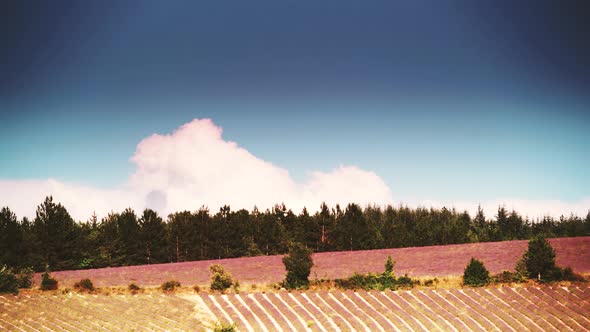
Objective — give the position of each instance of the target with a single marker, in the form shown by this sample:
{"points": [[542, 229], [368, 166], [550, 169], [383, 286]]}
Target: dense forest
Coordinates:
{"points": [[54, 240]]}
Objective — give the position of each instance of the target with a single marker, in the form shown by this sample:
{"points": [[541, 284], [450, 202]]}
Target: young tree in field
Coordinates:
{"points": [[220, 279], [298, 263], [476, 274], [539, 258], [389, 265]]}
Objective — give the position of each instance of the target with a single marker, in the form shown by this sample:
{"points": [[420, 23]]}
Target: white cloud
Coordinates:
{"points": [[195, 166]]}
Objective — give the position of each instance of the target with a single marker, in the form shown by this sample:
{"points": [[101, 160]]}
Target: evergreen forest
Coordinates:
{"points": [[54, 240]]}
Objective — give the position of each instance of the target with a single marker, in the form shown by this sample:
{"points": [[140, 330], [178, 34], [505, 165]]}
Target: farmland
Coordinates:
{"points": [[525, 307], [448, 260], [547, 308]]}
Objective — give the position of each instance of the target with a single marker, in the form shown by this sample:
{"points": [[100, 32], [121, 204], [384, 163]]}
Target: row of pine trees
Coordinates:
{"points": [[54, 240]]}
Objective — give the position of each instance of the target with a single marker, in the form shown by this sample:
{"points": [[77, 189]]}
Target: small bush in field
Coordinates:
{"points": [[47, 282], [197, 288], [84, 285], [521, 273], [504, 277], [381, 281], [430, 282], [8, 281], [476, 274], [133, 288], [170, 286], [220, 279], [25, 277], [224, 327]]}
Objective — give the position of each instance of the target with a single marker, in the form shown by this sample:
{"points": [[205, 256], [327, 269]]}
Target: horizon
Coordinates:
{"points": [[171, 107]]}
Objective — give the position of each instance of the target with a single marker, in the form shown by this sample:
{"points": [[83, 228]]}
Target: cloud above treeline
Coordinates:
{"points": [[195, 166]]}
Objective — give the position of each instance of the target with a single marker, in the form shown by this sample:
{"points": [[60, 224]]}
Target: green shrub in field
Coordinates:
{"points": [[476, 274], [84, 285], [521, 273], [133, 288], [25, 277], [8, 281], [540, 259], [220, 279], [538, 262], [224, 327], [298, 264], [170, 286], [382, 281], [389, 264], [47, 282]]}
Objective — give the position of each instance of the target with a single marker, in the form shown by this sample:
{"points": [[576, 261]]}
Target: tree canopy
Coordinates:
{"points": [[123, 238]]}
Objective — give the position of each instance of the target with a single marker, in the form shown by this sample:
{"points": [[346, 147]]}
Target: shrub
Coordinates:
{"points": [[197, 288], [133, 288], [539, 259], [220, 279], [47, 282], [298, 264], [476, 274], [521, 273], [84, 285], [566, 274], [385, 280], [504, 277], [170, 286], [430, 282], [236, 287], [224, 327], [405, 282], [25, 277], [389, 265], [8, 281]]}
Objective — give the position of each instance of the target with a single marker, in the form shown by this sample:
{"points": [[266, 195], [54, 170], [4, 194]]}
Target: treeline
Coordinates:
{"points": [[53, 239]]}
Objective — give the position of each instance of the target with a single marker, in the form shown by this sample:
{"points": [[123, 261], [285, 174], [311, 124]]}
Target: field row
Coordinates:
{"points": [[492, 309], [82, 312], [484, 309]]}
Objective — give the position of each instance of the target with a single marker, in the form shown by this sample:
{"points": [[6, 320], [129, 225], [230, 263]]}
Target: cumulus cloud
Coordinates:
{"points": [[195, 166]]}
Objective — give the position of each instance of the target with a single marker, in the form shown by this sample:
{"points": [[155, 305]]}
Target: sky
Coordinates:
{"points": [[176, 105]]}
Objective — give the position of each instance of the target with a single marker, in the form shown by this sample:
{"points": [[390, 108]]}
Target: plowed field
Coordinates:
{"points": [[485, 309]]}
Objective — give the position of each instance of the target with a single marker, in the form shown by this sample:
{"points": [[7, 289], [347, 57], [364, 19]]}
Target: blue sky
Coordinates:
{"points": [[449, 101]]}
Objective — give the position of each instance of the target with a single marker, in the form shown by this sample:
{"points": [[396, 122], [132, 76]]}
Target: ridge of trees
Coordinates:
{"points": [[53, 239]]}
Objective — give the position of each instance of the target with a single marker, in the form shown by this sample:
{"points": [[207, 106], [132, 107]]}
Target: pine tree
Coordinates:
{"points": [[153, 237], [11, 239], [298, 263], [539, 258], [55, 233]]}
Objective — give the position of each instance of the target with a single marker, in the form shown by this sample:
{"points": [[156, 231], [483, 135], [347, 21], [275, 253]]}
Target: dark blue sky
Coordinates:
{"points": [[442, 99]]}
